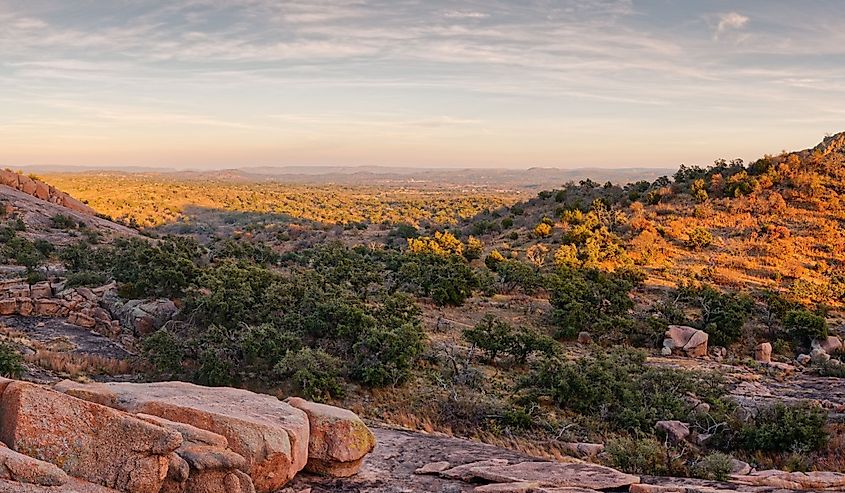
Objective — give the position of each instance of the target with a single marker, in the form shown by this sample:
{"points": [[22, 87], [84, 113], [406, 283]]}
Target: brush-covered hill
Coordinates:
{"points": [[773, 224], [539, 326]]}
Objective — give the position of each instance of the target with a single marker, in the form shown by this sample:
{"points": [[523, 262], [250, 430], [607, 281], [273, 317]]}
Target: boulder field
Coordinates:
{"points": [[168, 437]]}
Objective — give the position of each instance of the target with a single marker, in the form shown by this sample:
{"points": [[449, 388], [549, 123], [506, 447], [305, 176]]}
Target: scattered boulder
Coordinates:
{"points": [[676, 431], [203, 462], [520, 487], [740, 467], [689, 340], [763, 352], [143, 317], [830, 345], [554, 475], [433, 468], [466, 472], [819, 356], [816, 480], [580, 449], [338, 441], [22, 468], [87, 440], [270, 434]]}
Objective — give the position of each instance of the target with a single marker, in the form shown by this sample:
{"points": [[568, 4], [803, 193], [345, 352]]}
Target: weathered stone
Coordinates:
{"points": [[677, 431], [818, 356], [585, 338], [72, 486], [24, 307], [338, 441], [433, 468], [47, 307], [143, 316], [18, 467], [690, 340], [740, 467], [520, 487], [271, 435], [82, 320], [816, 480], [580, 449], [41, 290], [654, 488], [19, 291], [466, 472], [87, 440], [211, 466], [556, 474], [830, 345], [8, 306], [763, 352]]}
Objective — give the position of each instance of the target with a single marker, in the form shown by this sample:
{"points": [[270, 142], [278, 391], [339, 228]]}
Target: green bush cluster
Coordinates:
{"points": [[590, 299], [617, 387], [497, 337]]}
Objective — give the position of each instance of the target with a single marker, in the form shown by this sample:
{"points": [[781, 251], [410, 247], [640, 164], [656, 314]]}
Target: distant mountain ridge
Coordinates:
{"points": [[493, 178]]}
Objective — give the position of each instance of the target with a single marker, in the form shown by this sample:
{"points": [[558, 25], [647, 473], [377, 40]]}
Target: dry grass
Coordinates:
{"points": [[79, 364], [56, 356]]}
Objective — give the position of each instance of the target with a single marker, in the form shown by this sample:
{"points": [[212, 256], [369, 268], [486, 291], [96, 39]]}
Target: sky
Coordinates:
{"points": [[417, 83]]}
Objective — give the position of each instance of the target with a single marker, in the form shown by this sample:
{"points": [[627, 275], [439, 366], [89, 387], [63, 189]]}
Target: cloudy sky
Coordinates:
{"points": [[566, 83]]}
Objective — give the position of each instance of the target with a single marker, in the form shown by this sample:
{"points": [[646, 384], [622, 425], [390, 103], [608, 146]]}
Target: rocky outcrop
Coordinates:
{"points": [[43, 191], [686, 340], [338, 440], [86, 440], [98, 309], [763, 352], [552, 475], [24, 469], [676, 431], [830, 345], [169, 437], [269, 434], [142, 317], [203, 463], [816, 480]]}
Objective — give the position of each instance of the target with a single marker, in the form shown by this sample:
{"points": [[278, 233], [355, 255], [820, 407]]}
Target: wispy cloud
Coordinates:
{"points": [[535, 67], [730, 21]]}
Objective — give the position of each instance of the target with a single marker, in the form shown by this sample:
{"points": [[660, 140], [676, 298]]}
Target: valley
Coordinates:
{"points": [[686, 329]]}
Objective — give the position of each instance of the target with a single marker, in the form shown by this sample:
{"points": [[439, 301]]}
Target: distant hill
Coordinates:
{"points": [[421, 178]]}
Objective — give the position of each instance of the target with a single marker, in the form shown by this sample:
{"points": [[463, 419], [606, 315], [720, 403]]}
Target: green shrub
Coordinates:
{"points": [[512, 274], [495, 336], [715, 466], [780, 428], [61, 221], [722, 314], [584, 298], [384, 355], [620, 389], [699, 238], [11, 362], [165, 352], [637, 455], [314, 374], [804, 326], [85, 278], [448, 279]]}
